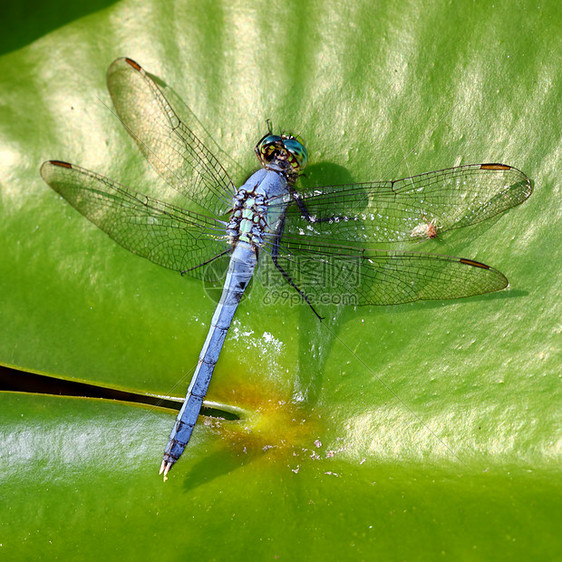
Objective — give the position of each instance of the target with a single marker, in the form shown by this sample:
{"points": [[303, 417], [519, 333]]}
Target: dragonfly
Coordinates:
{"points": [[327, 234]]}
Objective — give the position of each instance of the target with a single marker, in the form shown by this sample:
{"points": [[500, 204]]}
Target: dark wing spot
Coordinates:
{"points": [[134, 64], [495, 167], [474, 263], [60, 163]]}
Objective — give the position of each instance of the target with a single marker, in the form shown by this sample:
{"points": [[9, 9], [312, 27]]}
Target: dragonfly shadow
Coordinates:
{"points": [[316, 340], [324, 173], [438, 304], [315, 344], [215, 465]]}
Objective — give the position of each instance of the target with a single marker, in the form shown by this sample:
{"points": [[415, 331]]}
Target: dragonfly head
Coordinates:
{"points": [[284, 152]]}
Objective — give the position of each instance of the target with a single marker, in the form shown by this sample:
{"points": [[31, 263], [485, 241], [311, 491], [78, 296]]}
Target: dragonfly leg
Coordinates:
{"points": [[228, 250], [306, 214], [274, 257]]}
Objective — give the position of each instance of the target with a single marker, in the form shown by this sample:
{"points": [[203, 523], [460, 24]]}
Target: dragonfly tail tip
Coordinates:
{"points": [[164, 469]]}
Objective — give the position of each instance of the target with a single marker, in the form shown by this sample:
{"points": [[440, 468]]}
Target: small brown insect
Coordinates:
{"points": [[425, 229]]}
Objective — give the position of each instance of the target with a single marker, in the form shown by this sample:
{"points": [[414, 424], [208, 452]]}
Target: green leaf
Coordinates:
{"points": [[414, 432]]}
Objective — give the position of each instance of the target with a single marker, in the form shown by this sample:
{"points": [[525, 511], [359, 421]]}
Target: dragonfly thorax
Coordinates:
{"points": [[248, 218]]}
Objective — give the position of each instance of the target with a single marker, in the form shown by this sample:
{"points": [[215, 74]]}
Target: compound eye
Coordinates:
{"points": [[268, 146], [298, 153]]}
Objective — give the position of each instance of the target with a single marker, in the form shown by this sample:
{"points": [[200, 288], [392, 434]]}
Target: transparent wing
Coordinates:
{"points": [[332, 274], [162, 233], [392, 211], [170, 146]]}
